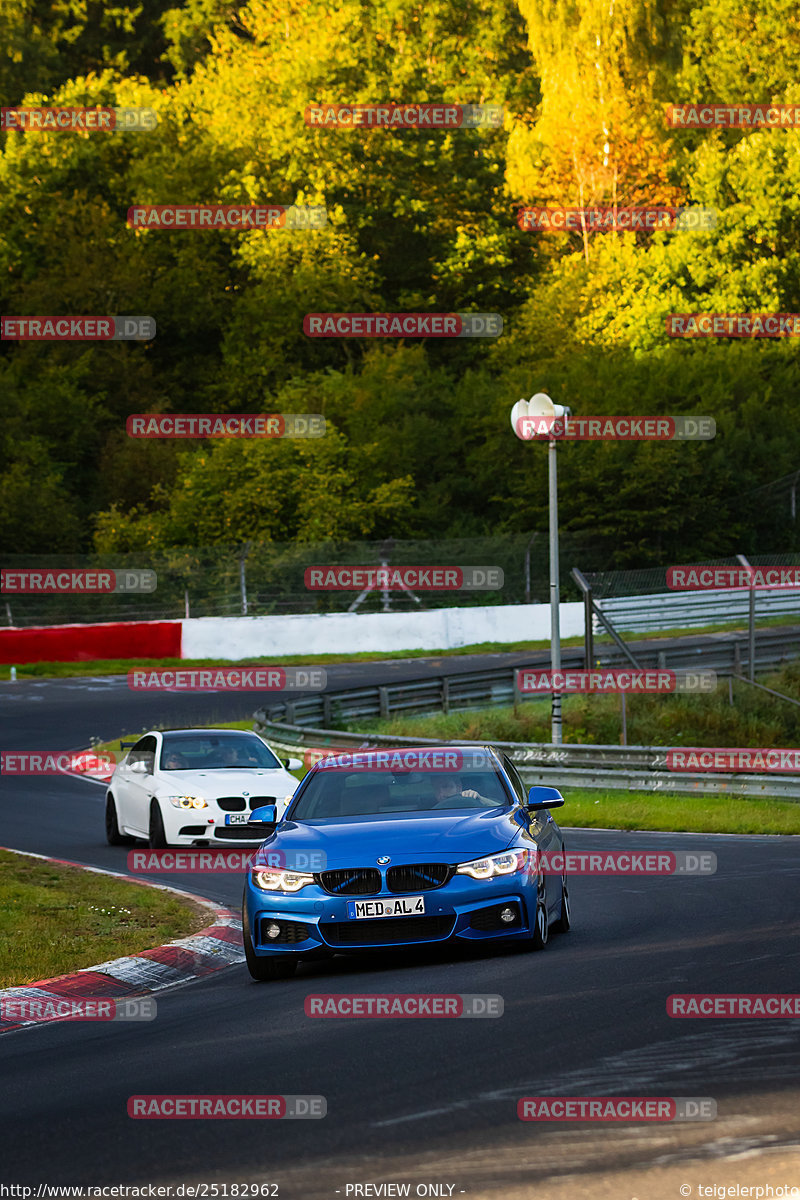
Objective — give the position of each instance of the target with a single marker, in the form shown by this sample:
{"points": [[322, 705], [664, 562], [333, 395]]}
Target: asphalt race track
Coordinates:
{"points": [[418, 1101]]}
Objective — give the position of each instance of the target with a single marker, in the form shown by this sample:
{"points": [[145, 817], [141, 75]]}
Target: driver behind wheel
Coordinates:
{"points": [[175, 761], [447, 791]]}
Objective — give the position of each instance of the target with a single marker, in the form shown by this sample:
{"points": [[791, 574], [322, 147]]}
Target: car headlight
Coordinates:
{"points": [[269, 879], [187, 801], [509, 863]]}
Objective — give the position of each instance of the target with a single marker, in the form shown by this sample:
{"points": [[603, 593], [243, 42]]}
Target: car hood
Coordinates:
{"points": [[212, 784], [357, 841]]}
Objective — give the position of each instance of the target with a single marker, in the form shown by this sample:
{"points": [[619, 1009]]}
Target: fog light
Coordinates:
{"points": [[508, 915], [273, 930]]}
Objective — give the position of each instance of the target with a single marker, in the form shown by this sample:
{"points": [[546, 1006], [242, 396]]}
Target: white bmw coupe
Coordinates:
{"points": [[195, 787]]}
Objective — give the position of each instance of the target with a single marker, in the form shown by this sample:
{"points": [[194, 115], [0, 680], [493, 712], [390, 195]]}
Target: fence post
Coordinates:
{"points": [[588, 635], [242, 577], [751, 621], [588, 616], [383, 700], [445, 694]]}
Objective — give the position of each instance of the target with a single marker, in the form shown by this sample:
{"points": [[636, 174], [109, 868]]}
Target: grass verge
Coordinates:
{"points": [[614, 809], [121, 666], [755, 718], [56, 919]]}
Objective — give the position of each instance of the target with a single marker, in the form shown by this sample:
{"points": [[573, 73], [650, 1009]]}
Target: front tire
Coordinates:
{"points": [[564, 922], [541, 930], [158, 838], [113, 835], [264, 969]]}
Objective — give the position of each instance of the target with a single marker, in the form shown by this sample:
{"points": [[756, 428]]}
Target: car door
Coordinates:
{"points": [[139, 784]]}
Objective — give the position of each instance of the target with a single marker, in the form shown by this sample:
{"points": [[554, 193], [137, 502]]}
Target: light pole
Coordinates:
{"points": [[541, 405]]}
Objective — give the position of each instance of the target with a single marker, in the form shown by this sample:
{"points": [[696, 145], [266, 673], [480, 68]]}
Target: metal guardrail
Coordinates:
{"points": [[682, 610], [725, 653], [584, 766], [309, 722], [775, 787], [441, 693]]}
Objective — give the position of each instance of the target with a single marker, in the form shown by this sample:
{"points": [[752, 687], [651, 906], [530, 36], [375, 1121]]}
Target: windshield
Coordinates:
{"points": [[223, 751], [348, 793]]}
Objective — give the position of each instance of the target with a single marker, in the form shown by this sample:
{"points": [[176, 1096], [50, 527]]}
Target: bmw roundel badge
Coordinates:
{"points": [[383, 860]]}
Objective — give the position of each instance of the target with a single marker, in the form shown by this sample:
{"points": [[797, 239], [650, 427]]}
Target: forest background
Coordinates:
{"points": [[419, 443]]}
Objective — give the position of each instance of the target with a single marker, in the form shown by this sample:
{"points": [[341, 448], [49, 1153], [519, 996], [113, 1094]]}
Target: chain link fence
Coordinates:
{"points": [[267, 578]]}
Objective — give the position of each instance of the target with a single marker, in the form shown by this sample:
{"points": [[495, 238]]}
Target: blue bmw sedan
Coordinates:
{"points": [[383, 849]]}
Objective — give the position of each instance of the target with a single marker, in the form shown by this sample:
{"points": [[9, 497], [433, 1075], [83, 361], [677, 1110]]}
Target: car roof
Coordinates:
{"points": [[450, 748], [209, 730]]}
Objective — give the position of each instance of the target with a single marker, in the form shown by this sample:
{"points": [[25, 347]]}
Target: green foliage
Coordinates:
{"points": [[419, 441]]}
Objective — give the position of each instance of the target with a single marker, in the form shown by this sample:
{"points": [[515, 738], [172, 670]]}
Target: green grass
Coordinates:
{"points": [[120, 666], [754, 719], [56, 919], [585, 807]]}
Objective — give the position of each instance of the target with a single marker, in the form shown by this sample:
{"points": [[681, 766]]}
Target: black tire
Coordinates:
{"points": [[564, 922], [113, 835], [158, 838], [264, 969], [541, 927]]}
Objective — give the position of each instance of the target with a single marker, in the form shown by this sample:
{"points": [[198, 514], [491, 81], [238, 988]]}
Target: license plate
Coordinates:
{"points": [[407, 906], [237, 818]]}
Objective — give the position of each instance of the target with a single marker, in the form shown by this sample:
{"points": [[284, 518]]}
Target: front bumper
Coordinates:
{"points": [[187, 827], [463, 910]]}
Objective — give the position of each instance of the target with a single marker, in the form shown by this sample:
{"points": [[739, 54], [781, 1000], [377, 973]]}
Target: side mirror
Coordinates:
{"points": [[139, 767], [292, 764], [266, 815], [544, 797]]}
